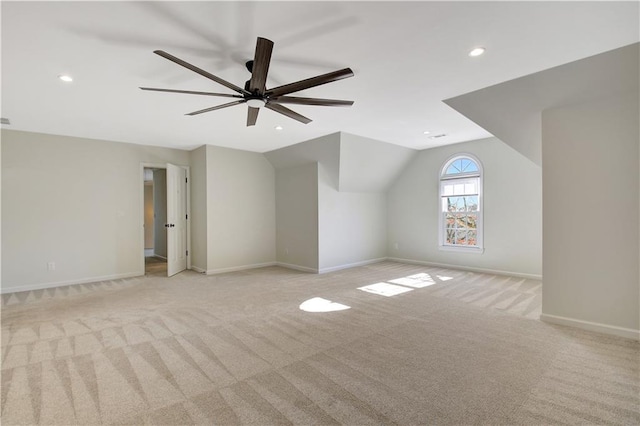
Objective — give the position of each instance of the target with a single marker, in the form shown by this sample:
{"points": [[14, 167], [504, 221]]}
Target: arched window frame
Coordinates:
{"points": [[443, 179]]}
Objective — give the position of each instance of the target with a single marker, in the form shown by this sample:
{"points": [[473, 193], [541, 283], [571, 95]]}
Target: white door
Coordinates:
{"points": [[176, 219]]}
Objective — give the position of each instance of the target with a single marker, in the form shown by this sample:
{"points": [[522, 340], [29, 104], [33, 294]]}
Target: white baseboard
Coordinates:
{"points": [[148, 252], [466, 268], [351, 265], [297, 267], [86, 280], [159, 257], [239, 268], [198, 270], [331, 268], [628, 333]]}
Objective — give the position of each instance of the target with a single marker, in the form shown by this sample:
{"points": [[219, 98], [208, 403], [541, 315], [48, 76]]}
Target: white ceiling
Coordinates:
{"points": [[407, 57], [500, 108]]}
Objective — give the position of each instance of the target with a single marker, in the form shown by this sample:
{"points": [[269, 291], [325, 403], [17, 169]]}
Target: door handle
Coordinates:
{"points": [[169, 225]]}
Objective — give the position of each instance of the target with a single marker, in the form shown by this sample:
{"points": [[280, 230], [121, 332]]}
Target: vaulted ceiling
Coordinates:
{"points": [[407, 58]]}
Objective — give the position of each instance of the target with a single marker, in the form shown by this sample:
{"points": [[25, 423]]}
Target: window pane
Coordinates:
{"points": [[471, 203], [462, 165], [449, 220], [471, 167], [461, 237], [450, 232], [451, 170], [452, 204], [460, 220], [472, 238], [468, 186], [471, 221], [471, 188], [460, 204]]}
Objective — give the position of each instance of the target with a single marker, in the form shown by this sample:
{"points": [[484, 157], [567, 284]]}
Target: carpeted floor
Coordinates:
{"points": [[450, 347]]}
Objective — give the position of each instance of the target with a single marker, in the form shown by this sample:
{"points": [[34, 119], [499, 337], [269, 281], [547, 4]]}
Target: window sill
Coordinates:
{"points": [[474, 250]]}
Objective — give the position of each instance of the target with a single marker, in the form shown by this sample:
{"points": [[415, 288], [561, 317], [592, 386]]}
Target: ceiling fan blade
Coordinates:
{"points": [[189, 92], [286, 111], [252, 116], [309, 101], [241, 101], [201, 72], [261, 62], [310, 82]]}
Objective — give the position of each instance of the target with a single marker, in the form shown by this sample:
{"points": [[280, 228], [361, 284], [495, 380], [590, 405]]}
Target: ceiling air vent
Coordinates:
{"points": [[441, 135], [4, 121]]}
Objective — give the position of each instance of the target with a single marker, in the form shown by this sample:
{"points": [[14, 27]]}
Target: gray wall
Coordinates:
{"points": [[574, 121], [79, 203], [348, 226], [351, 226], [198, 184], [512, 210], [241, 219], [76, 202], [297, 216], [591, 213]]}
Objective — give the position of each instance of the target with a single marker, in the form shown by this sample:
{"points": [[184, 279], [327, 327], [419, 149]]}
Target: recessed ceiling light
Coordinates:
{"points": [[65, 78], [477, 51], [278, 127], [426, 132]]}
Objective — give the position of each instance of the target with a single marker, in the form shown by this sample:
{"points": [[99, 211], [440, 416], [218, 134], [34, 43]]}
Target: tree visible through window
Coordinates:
{"points": [[460, 201]]}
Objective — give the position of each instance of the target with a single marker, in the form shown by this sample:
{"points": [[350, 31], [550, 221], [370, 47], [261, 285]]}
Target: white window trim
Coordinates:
{"points": [[479, 249]]}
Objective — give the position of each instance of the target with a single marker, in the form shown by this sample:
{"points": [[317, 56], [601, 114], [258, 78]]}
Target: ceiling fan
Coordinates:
{"points": [[255, 94]]}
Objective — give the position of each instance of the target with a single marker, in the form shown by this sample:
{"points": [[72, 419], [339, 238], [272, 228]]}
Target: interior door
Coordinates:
{"points": [[176, 219]]}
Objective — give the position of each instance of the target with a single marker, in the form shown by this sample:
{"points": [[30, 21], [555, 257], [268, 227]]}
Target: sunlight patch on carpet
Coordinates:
{"points": [[385, 289], [318, 304], [444, 278], [415, 281]]}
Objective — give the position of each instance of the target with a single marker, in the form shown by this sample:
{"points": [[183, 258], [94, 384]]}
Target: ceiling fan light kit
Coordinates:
{"points": [[255, 94], [256, 102]]}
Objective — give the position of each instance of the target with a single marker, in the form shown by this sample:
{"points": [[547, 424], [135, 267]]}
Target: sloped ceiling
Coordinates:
{"points": [[512, 110], [353, 163], [368, 165], [324, 150]]}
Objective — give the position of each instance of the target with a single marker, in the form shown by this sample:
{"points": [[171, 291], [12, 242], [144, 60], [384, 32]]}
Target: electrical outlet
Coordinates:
{"points": [[396, 246], [286, 251], [51, 266]]}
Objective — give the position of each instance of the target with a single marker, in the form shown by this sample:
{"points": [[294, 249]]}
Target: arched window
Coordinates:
{"points": [[461, 204]]}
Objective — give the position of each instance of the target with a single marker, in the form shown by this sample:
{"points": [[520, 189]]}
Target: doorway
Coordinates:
{"points": [[155, 216], [165, 208]]}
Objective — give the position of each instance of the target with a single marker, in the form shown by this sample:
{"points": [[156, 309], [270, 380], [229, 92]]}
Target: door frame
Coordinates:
{"points": [[143, 166]]}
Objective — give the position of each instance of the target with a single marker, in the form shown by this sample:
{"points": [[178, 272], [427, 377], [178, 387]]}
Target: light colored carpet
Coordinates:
{"points": [[458, 348]]}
